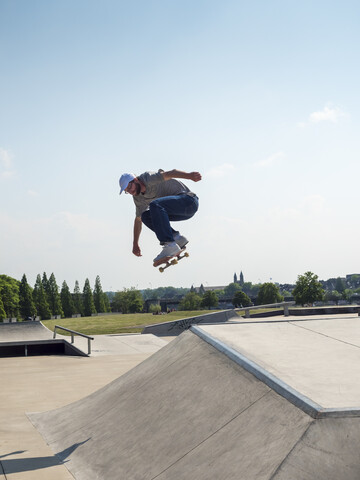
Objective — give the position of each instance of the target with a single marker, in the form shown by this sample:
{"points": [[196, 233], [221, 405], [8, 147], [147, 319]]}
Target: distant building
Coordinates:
{"points": [[201, 290], [241, 280], [353, 280]]}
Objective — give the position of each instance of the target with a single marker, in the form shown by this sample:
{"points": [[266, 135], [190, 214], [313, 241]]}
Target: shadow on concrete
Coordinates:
{"points": [[12, 453], [68, 451], [19, 465]]}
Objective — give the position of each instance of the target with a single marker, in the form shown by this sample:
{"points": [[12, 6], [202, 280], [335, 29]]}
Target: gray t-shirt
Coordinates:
{"points": [[157, 187]]}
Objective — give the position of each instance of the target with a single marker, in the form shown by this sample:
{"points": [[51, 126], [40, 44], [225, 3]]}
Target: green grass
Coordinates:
{"points": [[129, 323], [117, 323]]}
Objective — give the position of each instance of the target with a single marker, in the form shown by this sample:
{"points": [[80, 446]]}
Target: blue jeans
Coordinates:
{"points": [[165, 209]]}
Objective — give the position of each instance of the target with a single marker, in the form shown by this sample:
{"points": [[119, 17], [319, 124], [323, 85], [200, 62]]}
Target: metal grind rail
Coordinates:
{"points": [[75, 333]]}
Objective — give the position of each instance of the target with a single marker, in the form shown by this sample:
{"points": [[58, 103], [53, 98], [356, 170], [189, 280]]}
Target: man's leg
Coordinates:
{"points": [[163, 210], [147, 220]]}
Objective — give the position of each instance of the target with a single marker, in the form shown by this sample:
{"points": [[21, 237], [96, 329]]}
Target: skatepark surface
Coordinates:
{"points": [[253, 400]]}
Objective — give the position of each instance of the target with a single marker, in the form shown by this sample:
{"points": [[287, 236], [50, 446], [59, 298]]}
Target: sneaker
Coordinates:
{"points": [[180, 240], [169, 250]]}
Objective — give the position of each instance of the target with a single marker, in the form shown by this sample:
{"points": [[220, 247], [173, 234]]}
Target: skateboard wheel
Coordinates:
{"points": [[161, 269], [186, 254]]}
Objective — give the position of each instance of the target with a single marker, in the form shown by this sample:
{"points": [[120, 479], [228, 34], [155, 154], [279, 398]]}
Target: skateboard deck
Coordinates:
{"points": [[173, 260]]}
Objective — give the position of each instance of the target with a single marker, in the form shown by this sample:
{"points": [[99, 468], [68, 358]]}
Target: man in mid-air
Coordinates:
{"points": [[159, 199]]}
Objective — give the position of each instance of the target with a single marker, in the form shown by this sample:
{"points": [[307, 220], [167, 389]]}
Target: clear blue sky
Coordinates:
{"points": [[260, 97]]}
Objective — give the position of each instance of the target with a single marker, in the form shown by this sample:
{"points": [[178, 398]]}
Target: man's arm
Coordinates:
{"points": [[194, 176], [137, 230]]}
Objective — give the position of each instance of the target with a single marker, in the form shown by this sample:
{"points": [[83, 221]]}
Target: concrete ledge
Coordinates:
{"points": [[176, 327], [326, 310], [296, 398]]}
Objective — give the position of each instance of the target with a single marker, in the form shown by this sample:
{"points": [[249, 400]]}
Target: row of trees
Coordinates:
{"points": [[19, 299], [308, 289], [268, 293], [46, 300]]}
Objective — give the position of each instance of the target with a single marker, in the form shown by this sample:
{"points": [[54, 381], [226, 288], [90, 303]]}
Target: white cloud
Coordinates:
{"points": [[313, 204], [6, 170], [327, 114], [310, 207], [221, 170], [271, 160]]}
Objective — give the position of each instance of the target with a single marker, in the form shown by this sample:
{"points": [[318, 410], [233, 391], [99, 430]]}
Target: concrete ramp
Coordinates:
{"points": [[329, 450], [187, 412], [20, 331], [192, 412]]}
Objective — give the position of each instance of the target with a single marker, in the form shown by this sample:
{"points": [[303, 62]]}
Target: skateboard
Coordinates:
{"points": [[173, 260]]}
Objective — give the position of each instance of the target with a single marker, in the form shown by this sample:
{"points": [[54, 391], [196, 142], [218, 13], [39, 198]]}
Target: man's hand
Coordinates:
{"points": [[195, 176], [136, 250]]}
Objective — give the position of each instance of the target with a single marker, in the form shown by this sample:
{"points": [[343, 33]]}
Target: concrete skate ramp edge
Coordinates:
{"points": [[190, 412], [176, 327], [297, 398]]}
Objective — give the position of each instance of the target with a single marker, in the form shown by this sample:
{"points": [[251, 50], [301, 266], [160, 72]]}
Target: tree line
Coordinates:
{"points": [[45, 299], [307, 290], [19, 299]]}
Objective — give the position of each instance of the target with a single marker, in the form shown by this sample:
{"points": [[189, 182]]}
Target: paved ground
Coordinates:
{"points": [[44, 383], [190, 411], [126, 344]]}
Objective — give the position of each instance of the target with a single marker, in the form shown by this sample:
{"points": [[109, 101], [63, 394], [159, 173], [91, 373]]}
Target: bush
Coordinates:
{"points": [[155, 308], [128, 301], [269, 293], [210, 299], [240, 299], [191, 301], [308, 289]]}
